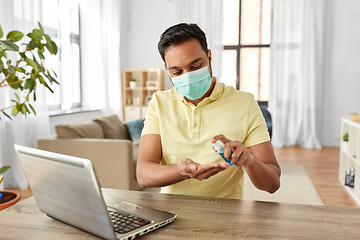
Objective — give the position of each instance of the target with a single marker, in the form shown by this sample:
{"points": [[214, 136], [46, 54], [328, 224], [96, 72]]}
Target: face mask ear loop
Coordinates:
{"points": [[170, 78]]}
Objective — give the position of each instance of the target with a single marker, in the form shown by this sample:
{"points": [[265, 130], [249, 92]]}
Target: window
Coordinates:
{"points": [[61, 21], [246, 40]]}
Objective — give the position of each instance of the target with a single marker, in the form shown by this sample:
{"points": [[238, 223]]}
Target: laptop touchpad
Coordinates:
{"points": [[126, 206]]}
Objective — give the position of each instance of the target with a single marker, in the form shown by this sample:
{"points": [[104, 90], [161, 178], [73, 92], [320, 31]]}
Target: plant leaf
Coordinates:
{"points": [[32, 63], [32, 108], [6, 115], [55, 48], [9, 45], [15, 36], [42, 81], [54, 72], [33, 44], [1, 64], [11, 69], [24, 109], [52, 47], [3, 169], [1, 32], [40, 66], [15, 111], [17, 97], [41, 56], [12, 79], [41, 29], [23, 55], [51, 78], [36, 35], [19, 69], [29, 86]]}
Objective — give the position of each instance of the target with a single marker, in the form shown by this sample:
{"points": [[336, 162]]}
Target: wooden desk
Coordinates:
{"points": [[200, 218]]}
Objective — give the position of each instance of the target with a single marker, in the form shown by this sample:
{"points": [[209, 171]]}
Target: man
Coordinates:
{"points": [[181, 124]]}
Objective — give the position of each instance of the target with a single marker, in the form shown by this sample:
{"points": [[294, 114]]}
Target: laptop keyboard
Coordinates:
{"points": [[123, 223]]}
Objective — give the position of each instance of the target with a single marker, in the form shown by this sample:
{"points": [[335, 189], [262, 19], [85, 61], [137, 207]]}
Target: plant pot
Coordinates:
{"points": [[132, 84], [345, 146], [9, 198]]}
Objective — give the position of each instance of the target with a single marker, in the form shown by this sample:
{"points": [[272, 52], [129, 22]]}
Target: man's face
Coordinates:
{"points": [[186, 57]]}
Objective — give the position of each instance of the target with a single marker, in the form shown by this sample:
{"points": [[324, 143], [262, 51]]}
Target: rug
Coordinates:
{"points": [[295, 187]]}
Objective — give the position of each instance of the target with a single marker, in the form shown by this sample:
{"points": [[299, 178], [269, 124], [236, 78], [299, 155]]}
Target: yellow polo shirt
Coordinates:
{"points": [[186, 131]]}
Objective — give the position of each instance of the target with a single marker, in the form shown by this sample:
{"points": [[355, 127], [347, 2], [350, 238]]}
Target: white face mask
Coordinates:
{"points": [[193, 85]]}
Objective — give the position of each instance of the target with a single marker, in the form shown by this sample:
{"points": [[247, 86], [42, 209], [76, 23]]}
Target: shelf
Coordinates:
{"points": [[135, 99], [350, 156], [351, 191], [133, 89]]}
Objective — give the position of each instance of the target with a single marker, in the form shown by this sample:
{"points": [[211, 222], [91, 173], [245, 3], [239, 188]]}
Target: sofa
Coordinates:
{"points": [[110, 144], [268, 119]]}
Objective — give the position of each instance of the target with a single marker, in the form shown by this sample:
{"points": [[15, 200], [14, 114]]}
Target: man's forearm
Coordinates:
{"points": [[264, 176], [157, 175]]}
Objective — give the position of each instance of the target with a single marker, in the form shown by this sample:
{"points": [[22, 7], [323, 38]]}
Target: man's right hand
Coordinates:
{"points": [[190, 169]]}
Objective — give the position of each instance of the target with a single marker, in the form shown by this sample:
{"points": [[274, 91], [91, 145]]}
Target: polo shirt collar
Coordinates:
{"points": [[215, 94]]}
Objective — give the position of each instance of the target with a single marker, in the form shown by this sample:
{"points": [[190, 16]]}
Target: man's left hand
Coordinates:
{"points": [[241, 155]]}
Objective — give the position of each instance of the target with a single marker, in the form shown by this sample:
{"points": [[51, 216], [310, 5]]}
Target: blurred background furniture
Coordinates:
{"points": [[268, 120], [111, 145], [136, 98]]}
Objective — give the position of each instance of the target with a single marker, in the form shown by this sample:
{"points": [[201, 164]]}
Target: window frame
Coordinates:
{"points": [[76, 39], [238, 48]]}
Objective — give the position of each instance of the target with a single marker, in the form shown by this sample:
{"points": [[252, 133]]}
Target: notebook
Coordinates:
{"points": [[66, 189]]}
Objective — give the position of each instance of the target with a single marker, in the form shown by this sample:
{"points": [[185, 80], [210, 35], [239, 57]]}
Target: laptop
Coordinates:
{"points": [[66, 189]]}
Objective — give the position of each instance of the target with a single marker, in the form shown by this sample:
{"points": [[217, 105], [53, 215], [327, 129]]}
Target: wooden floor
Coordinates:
{"points": [[322, 167]]}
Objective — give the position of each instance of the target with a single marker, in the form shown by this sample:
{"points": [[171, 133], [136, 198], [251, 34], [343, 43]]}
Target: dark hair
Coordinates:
{"points": [[179, 34]]}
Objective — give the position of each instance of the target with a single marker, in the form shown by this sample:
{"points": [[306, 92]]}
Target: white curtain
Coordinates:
{"points": [[101, 22], [296, 74], [21, 15], [208, 15]]}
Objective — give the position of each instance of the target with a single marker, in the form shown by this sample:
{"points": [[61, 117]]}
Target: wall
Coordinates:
{"points": [[341, 93], [147, 20]]}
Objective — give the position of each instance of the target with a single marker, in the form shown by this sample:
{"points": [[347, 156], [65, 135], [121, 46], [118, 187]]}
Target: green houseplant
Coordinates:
{"points": [[24, 75], [28, 71]]}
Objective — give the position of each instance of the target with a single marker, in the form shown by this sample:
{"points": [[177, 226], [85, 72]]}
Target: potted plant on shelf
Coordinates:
{"points": [[24, 74], [132, 83], [345, 142]]}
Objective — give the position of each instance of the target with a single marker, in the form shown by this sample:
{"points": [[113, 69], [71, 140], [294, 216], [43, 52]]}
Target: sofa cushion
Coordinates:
{"points": [[84, 130], [135, 156], [113, 128], [135, 127]]}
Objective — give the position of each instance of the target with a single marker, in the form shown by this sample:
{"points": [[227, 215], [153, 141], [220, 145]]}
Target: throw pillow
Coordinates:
{"points": [[113, 128], [85, 130], [135, 127]]}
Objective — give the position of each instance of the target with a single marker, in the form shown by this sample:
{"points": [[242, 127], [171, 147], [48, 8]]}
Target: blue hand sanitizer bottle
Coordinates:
{"points": [[220, 149]]}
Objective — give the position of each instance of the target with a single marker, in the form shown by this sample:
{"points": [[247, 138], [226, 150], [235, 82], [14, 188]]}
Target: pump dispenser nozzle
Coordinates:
{"points": [[220, 149]]}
